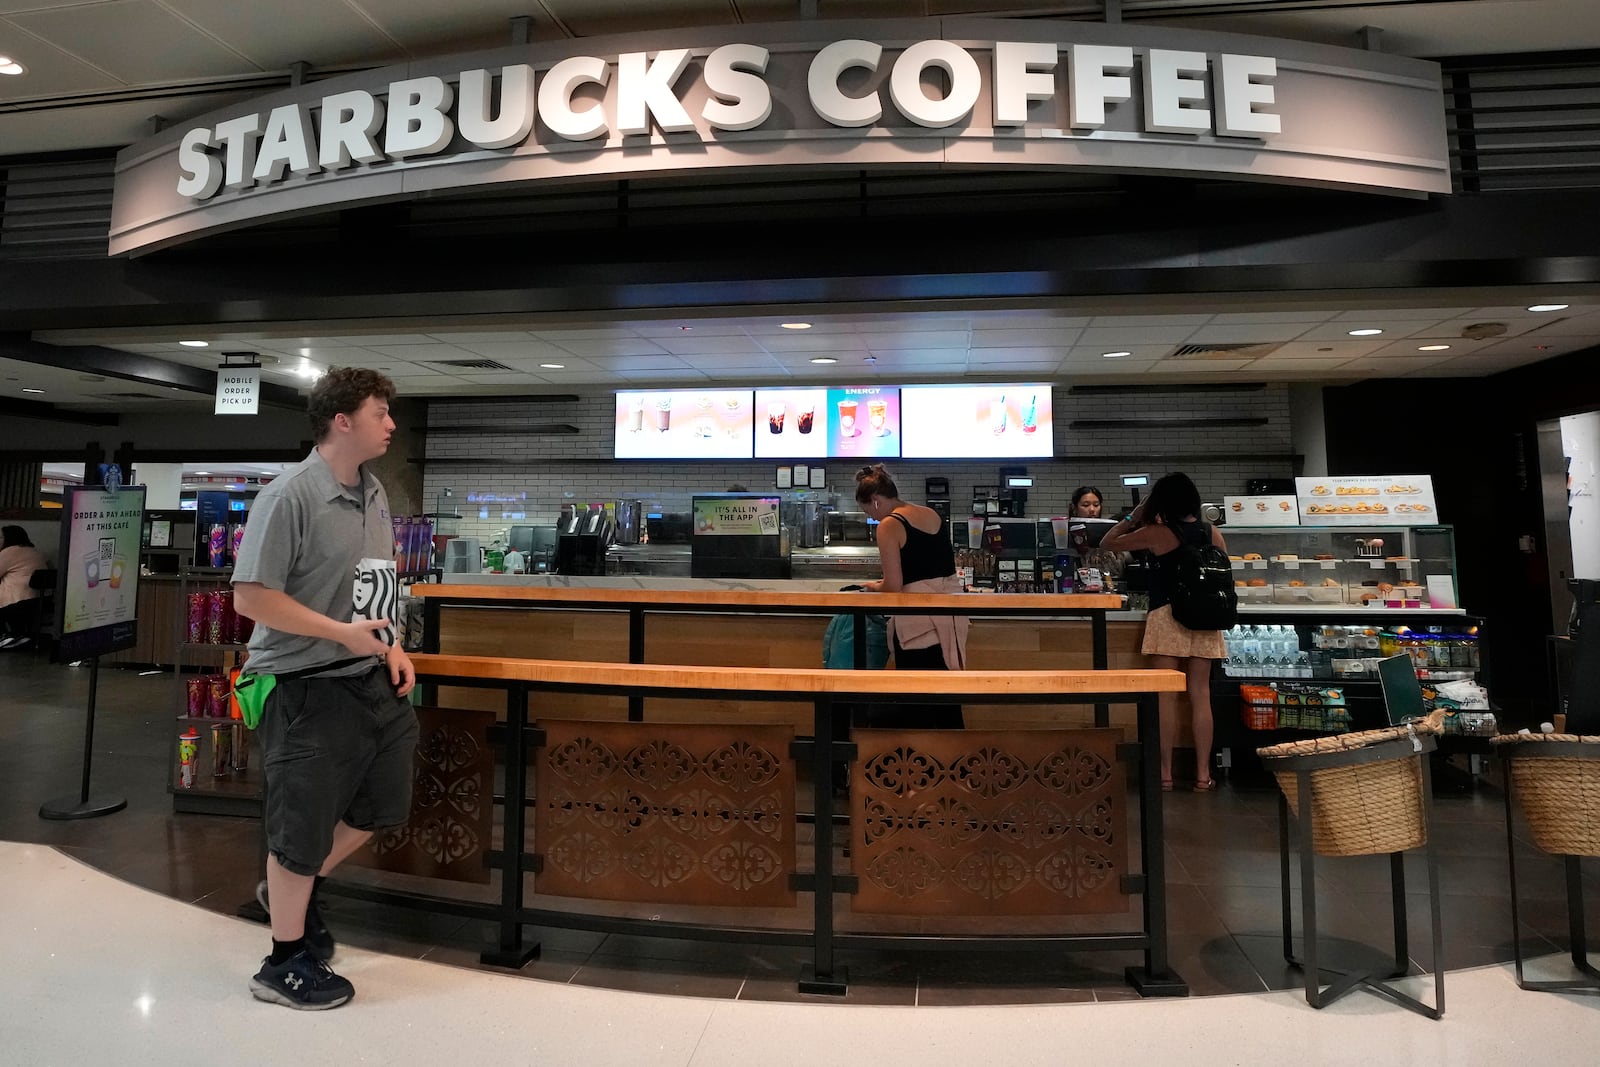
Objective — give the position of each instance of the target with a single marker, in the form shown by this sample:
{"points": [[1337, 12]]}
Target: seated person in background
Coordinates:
{"points": [[18, 560]]}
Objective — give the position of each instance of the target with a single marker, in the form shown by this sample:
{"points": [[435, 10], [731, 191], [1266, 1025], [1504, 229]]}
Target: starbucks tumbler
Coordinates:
{"points": [[217, 696], [241, 747], [199, 691], [196, 631], [216, 619], [221, 749], [188, 753]]}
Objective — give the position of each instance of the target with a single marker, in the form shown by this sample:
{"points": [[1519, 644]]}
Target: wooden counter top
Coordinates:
{"points": [[883, 603], [801, 682]]}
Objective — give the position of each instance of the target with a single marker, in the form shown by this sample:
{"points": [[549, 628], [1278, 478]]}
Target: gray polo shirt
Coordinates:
{"points": [[305, 536]]}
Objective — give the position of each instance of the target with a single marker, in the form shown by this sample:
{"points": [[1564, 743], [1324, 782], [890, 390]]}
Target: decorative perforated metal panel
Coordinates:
{"points": [[452, 802], [989, 823], [666, 813]]}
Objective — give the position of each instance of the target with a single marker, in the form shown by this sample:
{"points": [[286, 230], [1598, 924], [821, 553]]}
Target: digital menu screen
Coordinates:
{"points": [[976, 421], [684, 424], [839, 423]]}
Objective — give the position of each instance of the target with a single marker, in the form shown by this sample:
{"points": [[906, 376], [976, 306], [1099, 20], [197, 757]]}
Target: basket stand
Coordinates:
{"points": [[1318, 995], [1588, 980]]}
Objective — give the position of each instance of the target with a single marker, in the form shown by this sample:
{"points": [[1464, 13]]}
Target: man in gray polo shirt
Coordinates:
{"points": [[337, 735]]}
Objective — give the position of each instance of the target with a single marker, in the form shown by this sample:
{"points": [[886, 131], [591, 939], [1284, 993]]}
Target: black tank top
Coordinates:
{"points": [[925, 555]]}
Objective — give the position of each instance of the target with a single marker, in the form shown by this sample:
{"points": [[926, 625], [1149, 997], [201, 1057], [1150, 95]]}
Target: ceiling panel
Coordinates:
{"points": [[136, 41], [1115, 337], [1029, 338], [615, 347], [51, 72], [274, 35]]}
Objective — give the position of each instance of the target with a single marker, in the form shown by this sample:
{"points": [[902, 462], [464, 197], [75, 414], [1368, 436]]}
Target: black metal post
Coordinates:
{"points": [[635, 655], [1097, 627], [822, 976], [511, 952], [1308, 890], [83, 807], [1575, 927], [1283, 879], [1397, 897], [1155, 978]]}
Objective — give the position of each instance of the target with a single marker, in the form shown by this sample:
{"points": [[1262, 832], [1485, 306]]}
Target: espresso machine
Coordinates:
{"points": [[807, 521]]}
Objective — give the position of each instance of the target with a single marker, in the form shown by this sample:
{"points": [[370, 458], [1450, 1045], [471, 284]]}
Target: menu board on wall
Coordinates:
{"points": [[684, 424], [1368, 500], [977, 421], [1261, 511], [98, 586], [849, 422]]}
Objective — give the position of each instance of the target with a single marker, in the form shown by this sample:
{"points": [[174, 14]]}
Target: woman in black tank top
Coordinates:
{"points": [[913, 547]]}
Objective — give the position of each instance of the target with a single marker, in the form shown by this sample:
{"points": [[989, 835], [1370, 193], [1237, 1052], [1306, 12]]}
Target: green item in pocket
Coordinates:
{"points": [[251, 691]]}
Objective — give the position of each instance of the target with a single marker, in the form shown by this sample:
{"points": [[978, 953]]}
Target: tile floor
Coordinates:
{"points": [[1224, 910]]}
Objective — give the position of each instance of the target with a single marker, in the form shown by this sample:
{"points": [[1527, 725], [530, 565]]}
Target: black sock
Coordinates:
{"points": [[316, 886], [282, 950]]}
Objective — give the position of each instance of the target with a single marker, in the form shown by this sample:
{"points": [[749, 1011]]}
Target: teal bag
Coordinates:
{"points": [[251, 691]]}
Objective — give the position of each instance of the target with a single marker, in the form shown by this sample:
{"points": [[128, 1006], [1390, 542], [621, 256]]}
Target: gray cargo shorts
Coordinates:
{"points": [[334, 749]]}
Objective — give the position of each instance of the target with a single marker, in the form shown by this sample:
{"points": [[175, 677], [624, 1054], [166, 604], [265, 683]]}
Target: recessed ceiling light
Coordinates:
{"points": [[1114, 355], [553, 366], [795, 325], [685, 327], [1548, 307], [194, 344], [823, 359], [33, 390], [1433, 348], [306, 370], [1369, 332], [11, 66], [203, 472]]}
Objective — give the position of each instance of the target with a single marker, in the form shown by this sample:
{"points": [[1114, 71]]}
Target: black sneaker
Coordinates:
{"points": [[319, 942], [302, 982], [318, 939]]}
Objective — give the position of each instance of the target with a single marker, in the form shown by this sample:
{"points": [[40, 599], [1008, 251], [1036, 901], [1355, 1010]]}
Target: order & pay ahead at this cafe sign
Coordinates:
{"points": [[893, 94]]}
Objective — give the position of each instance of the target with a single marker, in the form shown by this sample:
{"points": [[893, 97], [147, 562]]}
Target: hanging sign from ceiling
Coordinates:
{"points": [[238, 391], [976, 93]]}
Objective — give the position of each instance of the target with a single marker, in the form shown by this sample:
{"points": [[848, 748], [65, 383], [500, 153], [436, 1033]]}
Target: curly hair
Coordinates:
{"points": [[342, 391]]}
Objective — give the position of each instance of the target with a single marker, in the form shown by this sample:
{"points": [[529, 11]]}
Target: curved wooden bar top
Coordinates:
{"points": [[881, 603], [802, 683]]}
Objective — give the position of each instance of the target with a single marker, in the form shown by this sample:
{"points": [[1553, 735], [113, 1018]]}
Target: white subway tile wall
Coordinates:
{"points": [[499, 475]]}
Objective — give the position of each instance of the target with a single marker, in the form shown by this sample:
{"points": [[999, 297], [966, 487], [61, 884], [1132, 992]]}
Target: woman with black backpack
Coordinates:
{"points": [[1188, 583]]}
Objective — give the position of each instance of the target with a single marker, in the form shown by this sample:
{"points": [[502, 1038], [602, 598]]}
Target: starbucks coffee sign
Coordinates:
{"points": [[901, 93]]}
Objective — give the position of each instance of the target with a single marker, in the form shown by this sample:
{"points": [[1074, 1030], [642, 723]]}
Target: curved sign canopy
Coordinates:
{"points": [[905, 93]]}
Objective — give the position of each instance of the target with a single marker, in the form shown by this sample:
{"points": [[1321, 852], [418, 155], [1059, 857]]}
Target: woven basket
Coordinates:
{"points": [[1362, 808], [1559, 795]]}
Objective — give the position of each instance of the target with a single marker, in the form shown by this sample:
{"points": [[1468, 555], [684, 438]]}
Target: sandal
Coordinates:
{"points": [[1206, 786]]}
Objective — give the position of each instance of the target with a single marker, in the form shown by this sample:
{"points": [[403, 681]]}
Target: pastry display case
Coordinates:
{"points": [[1343, 569]]}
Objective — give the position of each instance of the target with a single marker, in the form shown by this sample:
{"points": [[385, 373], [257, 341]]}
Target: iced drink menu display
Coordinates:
{"points": [[847, 422], [684, 424], [976, 421]]}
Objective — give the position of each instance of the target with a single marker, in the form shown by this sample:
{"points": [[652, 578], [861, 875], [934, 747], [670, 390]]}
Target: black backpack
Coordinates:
{"points": [[1200, 580]]}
